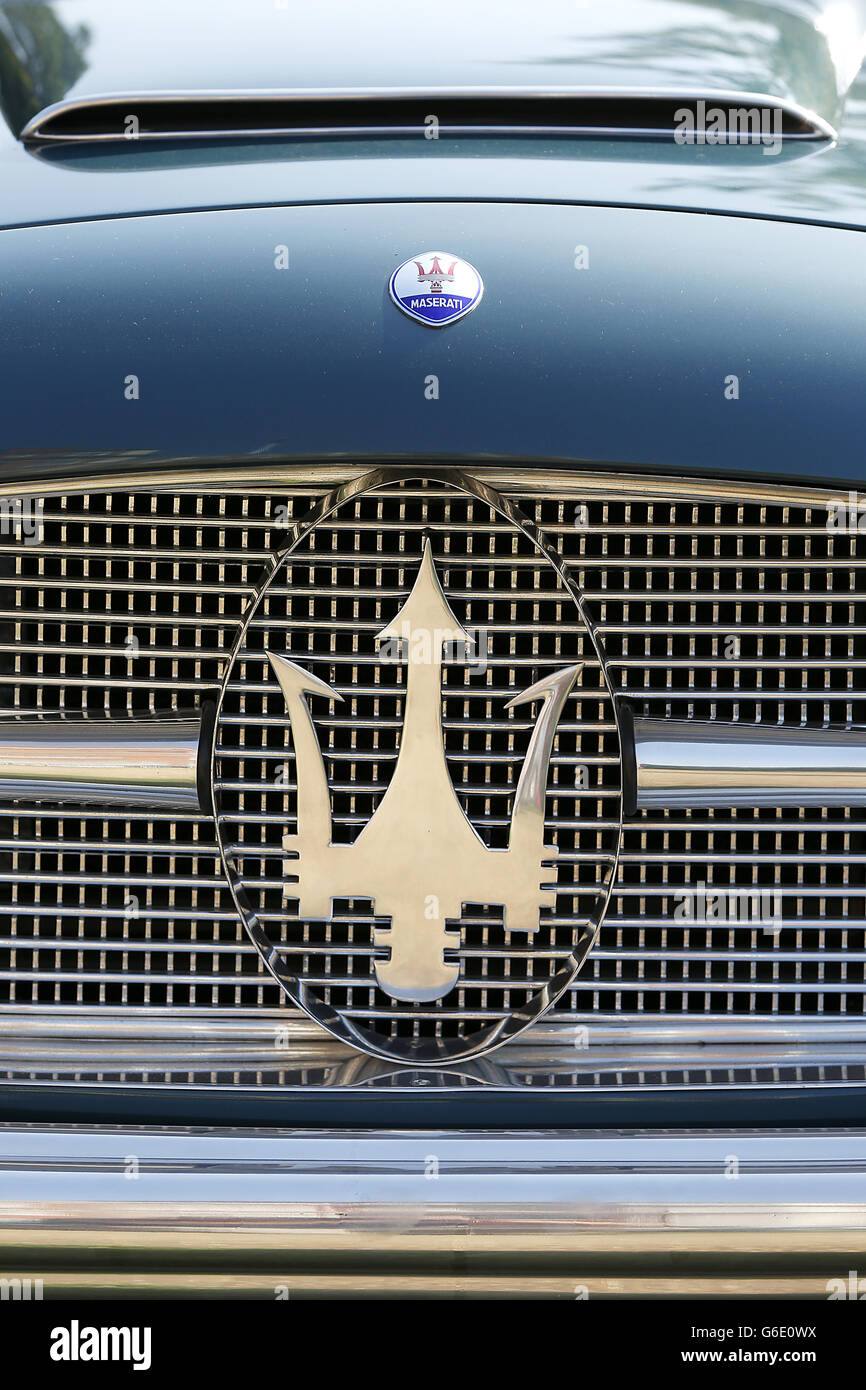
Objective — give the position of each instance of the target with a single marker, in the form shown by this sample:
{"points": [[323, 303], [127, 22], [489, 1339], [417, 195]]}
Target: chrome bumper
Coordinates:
{"points": [[285, 1213]]}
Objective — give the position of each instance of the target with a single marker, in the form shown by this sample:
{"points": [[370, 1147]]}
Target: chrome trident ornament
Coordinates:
{"points": [[419, 858]]}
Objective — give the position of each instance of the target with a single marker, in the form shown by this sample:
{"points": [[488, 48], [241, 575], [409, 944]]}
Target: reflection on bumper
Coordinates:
{"points": [[286, 1213]]}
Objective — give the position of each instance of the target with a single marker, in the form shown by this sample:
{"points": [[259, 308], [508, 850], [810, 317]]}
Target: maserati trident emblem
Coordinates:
{"points": [[436, 288], [418, 858], [421, 867]]}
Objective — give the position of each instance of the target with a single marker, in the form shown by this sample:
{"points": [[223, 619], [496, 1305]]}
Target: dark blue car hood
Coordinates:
{"points": [[158, 262], [628, 362]]}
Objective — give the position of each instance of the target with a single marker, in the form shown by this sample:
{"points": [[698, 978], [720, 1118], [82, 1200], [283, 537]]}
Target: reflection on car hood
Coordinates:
{"points": [[802, 51]]}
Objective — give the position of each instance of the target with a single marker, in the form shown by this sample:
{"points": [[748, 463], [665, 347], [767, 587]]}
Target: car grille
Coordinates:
{"points": [[711, 603]]}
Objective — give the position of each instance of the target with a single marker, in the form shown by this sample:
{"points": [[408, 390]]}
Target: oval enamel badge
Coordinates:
{"points": [[436, 288]]}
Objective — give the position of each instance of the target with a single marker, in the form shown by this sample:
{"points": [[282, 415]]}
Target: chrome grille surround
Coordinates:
{"points": [[101, 908]]}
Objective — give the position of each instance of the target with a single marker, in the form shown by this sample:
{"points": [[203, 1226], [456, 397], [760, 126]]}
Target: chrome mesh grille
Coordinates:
{"points": [[131, 602], [128, 604], [729, 611]]}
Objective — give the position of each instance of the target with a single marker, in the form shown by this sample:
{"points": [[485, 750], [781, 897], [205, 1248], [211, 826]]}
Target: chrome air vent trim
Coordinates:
{"points": [[691, 763], [605, 112], [125, 762]]}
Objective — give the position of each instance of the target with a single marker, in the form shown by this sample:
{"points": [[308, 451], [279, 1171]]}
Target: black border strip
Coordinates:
{"points": [[203, 781], [628, 757], [761, 1107]]}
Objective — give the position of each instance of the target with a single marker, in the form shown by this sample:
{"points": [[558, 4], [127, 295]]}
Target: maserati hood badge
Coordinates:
{"points": [[436, 288]]}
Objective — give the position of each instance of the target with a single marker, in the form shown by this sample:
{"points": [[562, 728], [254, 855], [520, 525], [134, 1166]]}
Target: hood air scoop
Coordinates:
{"points": [[747, 117]]}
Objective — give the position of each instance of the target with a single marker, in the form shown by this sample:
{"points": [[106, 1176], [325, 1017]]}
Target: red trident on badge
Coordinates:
{"points": [[436, 275]]}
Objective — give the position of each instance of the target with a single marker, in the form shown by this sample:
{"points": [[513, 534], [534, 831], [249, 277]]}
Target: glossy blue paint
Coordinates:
{"points": [[820, 183], [621, 363]]}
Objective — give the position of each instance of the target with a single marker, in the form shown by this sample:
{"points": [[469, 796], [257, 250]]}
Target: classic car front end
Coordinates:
{"points": [[432, 682]]}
